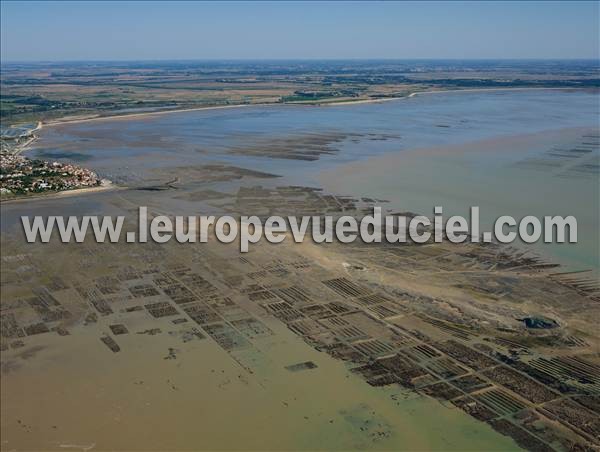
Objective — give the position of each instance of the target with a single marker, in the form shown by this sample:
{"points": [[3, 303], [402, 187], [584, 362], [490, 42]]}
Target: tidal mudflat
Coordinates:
{"points": [[303, 346], [551, 172]]}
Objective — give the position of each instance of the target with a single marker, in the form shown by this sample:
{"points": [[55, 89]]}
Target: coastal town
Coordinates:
{"points": [[21, 175]]}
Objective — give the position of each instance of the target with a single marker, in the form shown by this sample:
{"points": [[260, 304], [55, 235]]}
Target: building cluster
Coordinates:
{"points": [[21, 175]]}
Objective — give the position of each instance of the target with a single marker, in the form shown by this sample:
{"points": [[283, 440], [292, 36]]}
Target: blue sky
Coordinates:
{"points": [[264, 30]]}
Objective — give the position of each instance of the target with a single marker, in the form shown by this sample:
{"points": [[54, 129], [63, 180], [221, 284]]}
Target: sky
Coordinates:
{"points": [[59, 31]]}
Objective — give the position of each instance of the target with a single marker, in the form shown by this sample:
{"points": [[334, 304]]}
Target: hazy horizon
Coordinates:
{"points": [[276, 60], [176, 31]]}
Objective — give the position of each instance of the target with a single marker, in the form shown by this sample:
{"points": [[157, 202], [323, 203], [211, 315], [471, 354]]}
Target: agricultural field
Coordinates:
{"points": [[47, 91]]}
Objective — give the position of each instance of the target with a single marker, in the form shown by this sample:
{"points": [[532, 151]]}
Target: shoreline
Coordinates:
{"points": [[76, 120], [32, 138]]}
